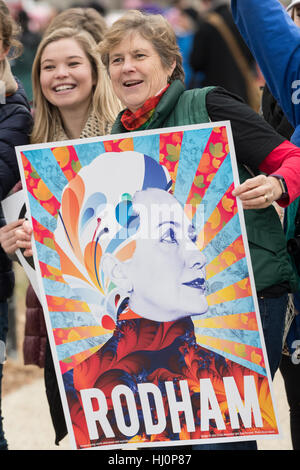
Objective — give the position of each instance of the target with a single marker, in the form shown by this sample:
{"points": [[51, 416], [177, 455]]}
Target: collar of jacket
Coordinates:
{"points": [[162, 111]]}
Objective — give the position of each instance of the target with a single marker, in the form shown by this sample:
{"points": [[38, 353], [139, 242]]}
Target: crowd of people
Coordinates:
{"points": [[188, 66]]}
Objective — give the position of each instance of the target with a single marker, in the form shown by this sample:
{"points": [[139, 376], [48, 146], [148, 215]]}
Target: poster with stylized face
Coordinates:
{"points": [[147, 288]]}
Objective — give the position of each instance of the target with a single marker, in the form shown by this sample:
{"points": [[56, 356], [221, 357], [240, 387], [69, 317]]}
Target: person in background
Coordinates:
{"points": [[184, 20], [21, 66], [220, 54], [267, 27], [15, 127], [282, 113], [87, 108], [87, 19]]}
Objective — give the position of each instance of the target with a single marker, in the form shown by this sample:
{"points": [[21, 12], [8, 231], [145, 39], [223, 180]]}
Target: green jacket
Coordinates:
{"points": [[270, 261]]}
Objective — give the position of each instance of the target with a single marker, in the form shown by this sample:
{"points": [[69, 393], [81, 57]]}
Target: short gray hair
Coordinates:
{"points": [[154, 28]]}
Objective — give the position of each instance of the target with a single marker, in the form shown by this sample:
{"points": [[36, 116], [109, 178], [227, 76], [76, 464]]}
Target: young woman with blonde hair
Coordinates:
{"points": [[73, 99], [98, 113]]}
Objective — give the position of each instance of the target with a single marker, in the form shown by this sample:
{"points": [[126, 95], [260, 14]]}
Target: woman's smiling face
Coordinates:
{"points": [[136, 71], [66, 74], [167, 270]]}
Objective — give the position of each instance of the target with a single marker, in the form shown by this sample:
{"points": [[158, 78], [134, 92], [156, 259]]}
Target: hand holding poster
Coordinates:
{"points": [[147, 288], [14, 208]]}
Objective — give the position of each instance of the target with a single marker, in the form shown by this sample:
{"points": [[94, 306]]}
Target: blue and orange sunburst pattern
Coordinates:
{"points": [[199, 163]]}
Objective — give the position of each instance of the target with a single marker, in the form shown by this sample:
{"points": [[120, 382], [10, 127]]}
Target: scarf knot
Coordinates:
{"points": [[132, 121]]}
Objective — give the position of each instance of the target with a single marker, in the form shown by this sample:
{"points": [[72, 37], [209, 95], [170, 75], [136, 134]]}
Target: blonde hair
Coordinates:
{"points": [[87, 19], [154, 28], [105, 105], [9, 31]]}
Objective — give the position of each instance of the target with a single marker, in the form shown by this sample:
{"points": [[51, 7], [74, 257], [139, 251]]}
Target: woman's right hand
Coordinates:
{"points": [[16, 235]]}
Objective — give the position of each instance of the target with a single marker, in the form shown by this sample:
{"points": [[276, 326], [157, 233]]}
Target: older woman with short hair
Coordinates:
{"points": [[144, 63]]}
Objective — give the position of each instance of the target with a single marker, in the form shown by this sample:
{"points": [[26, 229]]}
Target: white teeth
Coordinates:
{"points": [[132, 83], [64, 87]]}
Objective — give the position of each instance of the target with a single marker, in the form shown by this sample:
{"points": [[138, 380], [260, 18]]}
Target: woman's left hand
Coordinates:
{"points": [[258, 192]]}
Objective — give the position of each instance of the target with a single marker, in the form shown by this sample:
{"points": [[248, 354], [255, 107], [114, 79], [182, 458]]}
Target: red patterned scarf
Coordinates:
{"points": [[132, 121]]}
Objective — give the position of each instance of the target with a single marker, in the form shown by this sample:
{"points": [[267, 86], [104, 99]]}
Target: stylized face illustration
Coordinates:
{"points": [[167, 270], [141, 248]]}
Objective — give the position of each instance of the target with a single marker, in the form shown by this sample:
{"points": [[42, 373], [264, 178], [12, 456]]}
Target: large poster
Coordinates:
{"points": [[146, 283]]}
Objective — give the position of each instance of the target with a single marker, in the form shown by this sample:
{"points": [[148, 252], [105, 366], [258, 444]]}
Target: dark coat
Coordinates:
{"points": [[15, 127], [211, 56], [35, 335], [274, 115]]}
